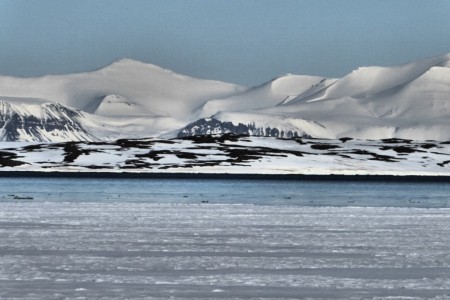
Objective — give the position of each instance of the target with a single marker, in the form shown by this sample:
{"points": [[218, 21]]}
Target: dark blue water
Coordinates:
{"points": [[258, 192]]}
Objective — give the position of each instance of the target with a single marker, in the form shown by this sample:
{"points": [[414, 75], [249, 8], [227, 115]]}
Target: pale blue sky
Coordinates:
{"points": [[241, 41]]}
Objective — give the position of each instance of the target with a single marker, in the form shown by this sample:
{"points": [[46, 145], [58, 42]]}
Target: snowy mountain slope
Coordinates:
{"points": [[115, 127], [366, 82], [116, 105], [125, 99], [408, 101], [159, 91], [37, 120], [278, 91]]}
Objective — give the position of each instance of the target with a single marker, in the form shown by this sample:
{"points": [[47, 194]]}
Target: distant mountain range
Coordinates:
{"points": [[132, 99]]}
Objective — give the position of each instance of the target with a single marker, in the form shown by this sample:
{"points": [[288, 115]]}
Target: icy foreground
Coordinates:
{"points": [[234, 154], [132, 250]]}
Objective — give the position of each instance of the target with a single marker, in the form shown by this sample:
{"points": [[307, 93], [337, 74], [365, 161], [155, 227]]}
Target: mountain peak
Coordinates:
{"points": [[128, 63]]}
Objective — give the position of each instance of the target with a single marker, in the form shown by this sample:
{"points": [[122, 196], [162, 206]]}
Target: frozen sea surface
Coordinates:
{"points": [[135, 250]]}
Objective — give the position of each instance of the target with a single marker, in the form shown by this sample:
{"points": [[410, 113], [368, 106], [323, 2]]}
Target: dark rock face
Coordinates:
{"points": [[214, 126], [55, 119]]}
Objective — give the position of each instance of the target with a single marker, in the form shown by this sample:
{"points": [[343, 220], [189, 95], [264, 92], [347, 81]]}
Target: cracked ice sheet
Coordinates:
{"points": [[130, 250]]}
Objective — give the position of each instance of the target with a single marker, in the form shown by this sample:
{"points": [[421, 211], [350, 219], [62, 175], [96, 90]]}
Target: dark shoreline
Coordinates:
{"points": [[222, 176]]}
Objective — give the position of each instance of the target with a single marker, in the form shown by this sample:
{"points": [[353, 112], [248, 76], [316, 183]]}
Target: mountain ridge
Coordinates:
{"points": [[129, 98], [46, 122]]}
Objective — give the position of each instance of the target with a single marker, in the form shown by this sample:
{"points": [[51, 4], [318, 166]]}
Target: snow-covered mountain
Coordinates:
{"points": [[126, 98], [157, 91], [408, 101], [275, 92], [132, 99], [37, 120]]}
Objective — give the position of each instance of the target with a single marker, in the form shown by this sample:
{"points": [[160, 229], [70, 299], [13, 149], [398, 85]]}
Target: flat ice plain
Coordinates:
{"points": [[88, 250]]}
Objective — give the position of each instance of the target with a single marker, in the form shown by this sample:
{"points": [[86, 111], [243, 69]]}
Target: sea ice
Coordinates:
{"points": [[135, 250]]}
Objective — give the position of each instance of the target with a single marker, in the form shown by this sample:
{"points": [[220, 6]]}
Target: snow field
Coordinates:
{"points": [[130, 250], [245, 155]]}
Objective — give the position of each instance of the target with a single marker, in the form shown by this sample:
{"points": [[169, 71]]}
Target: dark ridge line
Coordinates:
{"points": [[222, 176]]}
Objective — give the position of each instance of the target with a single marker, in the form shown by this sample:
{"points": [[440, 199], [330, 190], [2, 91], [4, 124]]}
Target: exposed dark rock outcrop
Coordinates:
{"points": [[54, 120], [213, 126]]}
